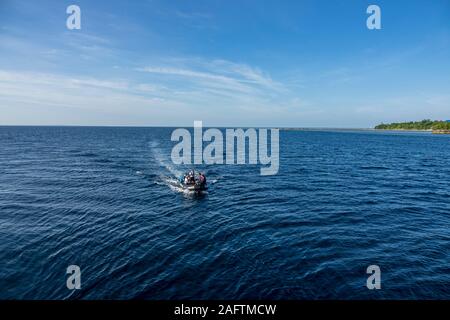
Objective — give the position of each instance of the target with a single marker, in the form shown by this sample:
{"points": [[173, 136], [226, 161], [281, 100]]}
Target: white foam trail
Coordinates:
{"points": [[174, 185], [172, 182], [159, 156]]}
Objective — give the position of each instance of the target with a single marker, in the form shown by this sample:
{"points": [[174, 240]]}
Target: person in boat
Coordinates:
{"points": [[189, 178], [201, 179]]}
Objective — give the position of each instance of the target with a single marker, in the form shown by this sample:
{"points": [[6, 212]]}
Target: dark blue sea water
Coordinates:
{"points": [[101, 198]]}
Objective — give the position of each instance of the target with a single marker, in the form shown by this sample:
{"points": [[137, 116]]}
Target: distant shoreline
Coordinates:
{"points": [[433, 131], [433, 126], [416, 130]]}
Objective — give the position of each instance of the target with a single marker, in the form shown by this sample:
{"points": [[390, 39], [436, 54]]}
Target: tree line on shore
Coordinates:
{"points": [[416, 125]]}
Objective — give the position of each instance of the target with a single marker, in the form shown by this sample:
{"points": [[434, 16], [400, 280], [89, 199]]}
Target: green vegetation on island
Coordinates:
{"points": [[438, 126]]}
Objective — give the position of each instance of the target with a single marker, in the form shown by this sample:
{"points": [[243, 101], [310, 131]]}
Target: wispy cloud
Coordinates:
{"points": [[150, 102], [19, 89], [221, 75]]}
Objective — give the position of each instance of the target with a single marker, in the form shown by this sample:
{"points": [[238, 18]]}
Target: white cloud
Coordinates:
{"points": [[217, 91], [37, 91], [218, 77]]}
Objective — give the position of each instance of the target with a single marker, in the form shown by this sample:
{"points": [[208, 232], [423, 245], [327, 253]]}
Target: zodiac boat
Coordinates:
{"points": [[193, 182]]}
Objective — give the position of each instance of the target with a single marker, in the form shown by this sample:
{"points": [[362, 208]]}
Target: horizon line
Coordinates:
{"points": [[180, 126]]}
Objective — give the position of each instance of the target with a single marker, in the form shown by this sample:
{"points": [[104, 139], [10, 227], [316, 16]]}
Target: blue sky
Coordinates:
{"points": [[228, 63]]}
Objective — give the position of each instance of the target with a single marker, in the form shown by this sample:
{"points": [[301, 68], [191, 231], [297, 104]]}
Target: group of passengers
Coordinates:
{"points": [[189, 178]]}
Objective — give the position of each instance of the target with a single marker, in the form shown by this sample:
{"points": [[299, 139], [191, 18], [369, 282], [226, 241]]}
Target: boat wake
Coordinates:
{"points": [[163, 162], [170, 173]]}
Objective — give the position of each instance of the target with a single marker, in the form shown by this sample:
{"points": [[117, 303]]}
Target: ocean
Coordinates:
{"points": [[104, 199]]}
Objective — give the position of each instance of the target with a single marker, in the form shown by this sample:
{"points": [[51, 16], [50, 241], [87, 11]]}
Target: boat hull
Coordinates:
{"points": [[195, 188]]}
